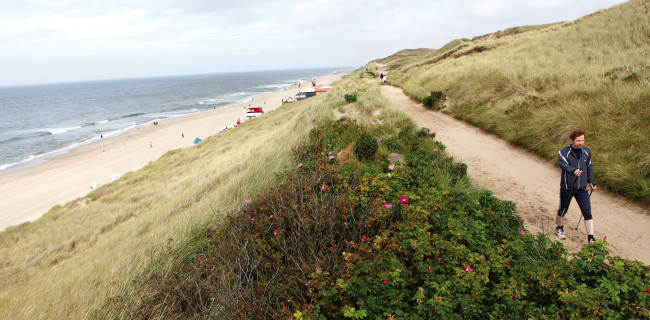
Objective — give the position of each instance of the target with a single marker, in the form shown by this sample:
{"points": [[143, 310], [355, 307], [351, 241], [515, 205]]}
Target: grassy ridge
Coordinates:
{"points": [[394, 231], [65, 264], [534, 86]]}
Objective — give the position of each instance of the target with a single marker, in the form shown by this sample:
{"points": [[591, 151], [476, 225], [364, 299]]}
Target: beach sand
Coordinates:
{"points": [[27, 194]]}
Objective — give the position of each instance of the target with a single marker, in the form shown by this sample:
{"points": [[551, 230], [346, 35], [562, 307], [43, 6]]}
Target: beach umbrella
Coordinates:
{"points": [[197, 140]]}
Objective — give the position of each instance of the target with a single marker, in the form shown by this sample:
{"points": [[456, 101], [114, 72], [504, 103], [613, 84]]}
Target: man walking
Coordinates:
{"points": [[577, 174]]}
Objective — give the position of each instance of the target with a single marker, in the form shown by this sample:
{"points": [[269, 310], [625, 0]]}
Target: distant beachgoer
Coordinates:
{"points": [[150, 145], [101, 136], [384, 79], [182, 135]]}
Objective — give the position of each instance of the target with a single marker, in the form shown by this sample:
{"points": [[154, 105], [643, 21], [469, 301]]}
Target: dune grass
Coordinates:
{"points": [[68, 263], [535, 86]]}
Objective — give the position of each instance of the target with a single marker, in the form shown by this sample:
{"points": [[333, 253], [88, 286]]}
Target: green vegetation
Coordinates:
{"points": [[533, 85], [433, 100], [342, 236], [366, 147]]}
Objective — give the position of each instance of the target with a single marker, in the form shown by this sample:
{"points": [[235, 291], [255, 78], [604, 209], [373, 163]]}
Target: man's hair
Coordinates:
{"points": [[576, 133]]}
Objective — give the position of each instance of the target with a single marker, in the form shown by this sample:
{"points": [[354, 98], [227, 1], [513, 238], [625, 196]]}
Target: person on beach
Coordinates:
{"points": [[384, 78], [574, 160]]}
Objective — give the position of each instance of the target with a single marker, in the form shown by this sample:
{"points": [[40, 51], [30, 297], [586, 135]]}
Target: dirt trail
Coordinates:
{"points": [[533, 184]]}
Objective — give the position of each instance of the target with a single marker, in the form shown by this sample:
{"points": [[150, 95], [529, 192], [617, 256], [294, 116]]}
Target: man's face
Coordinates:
{"points": [[578, 142]]}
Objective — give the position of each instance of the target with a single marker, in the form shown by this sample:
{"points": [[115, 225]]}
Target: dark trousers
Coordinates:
{"points": [[582, 197]]}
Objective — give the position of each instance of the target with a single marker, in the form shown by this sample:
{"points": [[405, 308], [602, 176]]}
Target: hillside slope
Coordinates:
{"points": [[534, 86]]}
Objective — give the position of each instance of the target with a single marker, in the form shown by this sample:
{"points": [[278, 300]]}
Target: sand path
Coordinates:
{"points": [[532, 184]]}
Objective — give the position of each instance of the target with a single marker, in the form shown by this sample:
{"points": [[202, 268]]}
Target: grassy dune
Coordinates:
{"points": [[533, 85], [66, 264]]}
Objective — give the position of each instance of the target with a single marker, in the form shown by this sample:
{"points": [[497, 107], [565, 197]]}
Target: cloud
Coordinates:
{"points": [[246, 35]]}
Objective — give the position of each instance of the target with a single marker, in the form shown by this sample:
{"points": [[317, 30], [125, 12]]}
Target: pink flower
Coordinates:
{"points": [[388, 205], [363, 238], [442, 261], [508, 262], [468, 268], [249, 200], [605, 238], [275, 232], [430, 270], [299, 165], [385, 281], [521, 232], [324, 187], [391, 167], [435, 150], [331, 157], [404, 200]]}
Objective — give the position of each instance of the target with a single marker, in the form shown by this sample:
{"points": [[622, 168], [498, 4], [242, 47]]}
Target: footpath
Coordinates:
{"points": [[532, 183]]}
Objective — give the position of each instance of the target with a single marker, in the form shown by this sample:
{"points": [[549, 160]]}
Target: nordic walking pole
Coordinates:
{"points": [[592, 190]]}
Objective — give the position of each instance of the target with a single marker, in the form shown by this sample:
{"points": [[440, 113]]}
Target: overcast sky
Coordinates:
{"points": [[43, 41]]}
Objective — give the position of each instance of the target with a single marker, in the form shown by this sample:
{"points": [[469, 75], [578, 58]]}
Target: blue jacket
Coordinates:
{"points": [[569, 163]]}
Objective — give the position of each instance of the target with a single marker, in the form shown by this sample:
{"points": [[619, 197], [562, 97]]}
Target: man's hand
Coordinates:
{"points": [[593, 186], [578, 172]]}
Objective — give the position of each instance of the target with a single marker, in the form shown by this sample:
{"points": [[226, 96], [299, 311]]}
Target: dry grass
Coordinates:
{"points": [[66, 264]]}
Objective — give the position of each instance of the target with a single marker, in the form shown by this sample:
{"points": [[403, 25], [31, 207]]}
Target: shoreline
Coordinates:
{"points": [[28, 193], [37, 159]]}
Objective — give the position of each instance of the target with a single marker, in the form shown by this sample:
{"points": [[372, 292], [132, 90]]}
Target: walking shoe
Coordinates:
{"points": [[559, 232], [591, 239]]}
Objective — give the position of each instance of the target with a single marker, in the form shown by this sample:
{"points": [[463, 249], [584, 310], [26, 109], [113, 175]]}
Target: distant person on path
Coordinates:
{"points": [[384, 78], [577, 174]]}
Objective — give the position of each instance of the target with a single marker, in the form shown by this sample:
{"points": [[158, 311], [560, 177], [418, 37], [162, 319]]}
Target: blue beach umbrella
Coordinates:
{"points": [[197, 140]]}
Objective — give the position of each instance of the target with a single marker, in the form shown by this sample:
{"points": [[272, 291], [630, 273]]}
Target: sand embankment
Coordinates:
{"points": [[27, 194]]}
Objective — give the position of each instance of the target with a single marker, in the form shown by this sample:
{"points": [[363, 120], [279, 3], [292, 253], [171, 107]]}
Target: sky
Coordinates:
{"points": [[49, 41]]}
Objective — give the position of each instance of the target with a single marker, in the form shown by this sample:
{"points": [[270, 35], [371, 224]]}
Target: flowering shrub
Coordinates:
{"points": [[363, 241], [366, 147]]}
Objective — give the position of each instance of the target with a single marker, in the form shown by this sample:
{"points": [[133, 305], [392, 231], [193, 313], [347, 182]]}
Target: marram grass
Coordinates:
{"points": [[534, 87], [72, 261]]}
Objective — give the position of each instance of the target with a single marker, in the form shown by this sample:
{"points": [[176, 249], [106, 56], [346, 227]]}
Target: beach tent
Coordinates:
{"points": [[197, 140]]}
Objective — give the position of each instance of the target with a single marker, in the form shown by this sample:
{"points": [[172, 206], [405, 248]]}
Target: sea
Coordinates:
{"points": [[38, 122]]}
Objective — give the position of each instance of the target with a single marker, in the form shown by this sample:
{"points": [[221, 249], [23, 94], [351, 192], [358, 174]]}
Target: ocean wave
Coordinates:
{"points": [[276, 86], [243, 93], [61, 130], [100, 122], [133, 115]]}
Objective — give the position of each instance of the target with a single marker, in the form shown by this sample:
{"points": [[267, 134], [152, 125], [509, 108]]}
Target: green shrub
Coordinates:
{"points": [[376, 242], [391, 143], [433, 100], [350, 98], [366, 147]]}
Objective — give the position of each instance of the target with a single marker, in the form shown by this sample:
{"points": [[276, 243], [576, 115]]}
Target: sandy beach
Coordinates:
{"points": [[27, 194]]}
